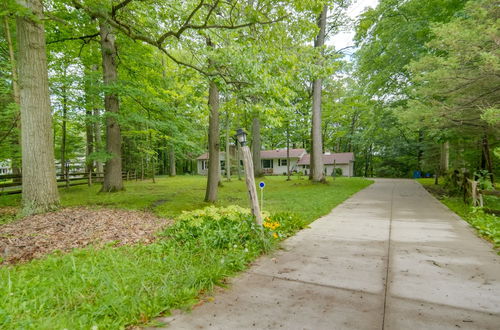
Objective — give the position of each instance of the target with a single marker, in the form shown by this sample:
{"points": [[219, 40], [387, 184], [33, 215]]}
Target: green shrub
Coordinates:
{"points": [[283, 225], [210, 228]]}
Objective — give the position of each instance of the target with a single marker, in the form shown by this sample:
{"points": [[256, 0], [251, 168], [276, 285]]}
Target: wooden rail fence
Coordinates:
{"points": [[11, 184], [477, 195]]}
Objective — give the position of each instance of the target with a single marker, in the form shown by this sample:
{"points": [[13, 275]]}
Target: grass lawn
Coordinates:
{"points": [[113, 287], [168, 197], [487, 225]]}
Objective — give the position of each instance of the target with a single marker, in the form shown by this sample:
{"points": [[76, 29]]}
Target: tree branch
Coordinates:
{"points": [[184, 26], [119, 6], [90, 36]]}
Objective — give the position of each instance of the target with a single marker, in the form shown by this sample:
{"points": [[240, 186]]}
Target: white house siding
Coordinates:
{"points": [[222, 158], [200, 170], [279, 170]]}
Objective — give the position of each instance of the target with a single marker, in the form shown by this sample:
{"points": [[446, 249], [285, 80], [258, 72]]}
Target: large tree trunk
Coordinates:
{"points": [[113, 169], [39, 173], [16, 163], [171, 158], [316, 162], [213, 144], [256, 146]]}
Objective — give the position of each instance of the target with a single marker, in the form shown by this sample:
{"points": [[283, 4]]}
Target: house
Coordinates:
{"points": [[344, 161], [5, 167], [274, 162], [202, 161]]}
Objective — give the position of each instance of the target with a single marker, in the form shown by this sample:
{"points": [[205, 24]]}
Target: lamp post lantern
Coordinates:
{"points": [[241, 135]]}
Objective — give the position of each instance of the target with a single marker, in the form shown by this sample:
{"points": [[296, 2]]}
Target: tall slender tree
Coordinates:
{"points": [[256, 146], [316, 162]]}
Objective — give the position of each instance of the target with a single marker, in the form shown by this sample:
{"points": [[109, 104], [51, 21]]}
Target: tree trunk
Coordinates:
{"points": [[238, 161], [288, 151], [256, 146], [113, 169], [213, 144], [228, 148], [351, 131], [16, 164], [89, 124], [89, 132], [445, 155], [420, 151], [64, 129], [487, 158], [171, 158], [99, 167], [316, 161], [39, 173]]}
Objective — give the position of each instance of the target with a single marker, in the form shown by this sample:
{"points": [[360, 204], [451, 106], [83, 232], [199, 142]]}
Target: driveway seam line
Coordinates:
{"points": [[388, 256]]}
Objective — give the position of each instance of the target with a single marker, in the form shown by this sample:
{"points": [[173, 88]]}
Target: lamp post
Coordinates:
{"points": [[237, 156], [241, 135]]}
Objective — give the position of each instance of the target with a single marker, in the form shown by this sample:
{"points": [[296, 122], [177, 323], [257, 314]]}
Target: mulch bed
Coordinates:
{"points": [[38, 235]]}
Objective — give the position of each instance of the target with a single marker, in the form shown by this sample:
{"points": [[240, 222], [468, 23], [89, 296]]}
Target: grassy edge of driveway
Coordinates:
{"points": [[486, 225]]}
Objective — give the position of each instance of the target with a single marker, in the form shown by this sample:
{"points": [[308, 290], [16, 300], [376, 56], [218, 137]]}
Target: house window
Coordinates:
{"points": [[282, 162], [222, 165], [267, 163], [204, 165]]}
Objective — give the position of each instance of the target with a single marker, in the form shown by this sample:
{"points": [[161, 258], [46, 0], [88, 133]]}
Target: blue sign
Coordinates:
{"points": [[262, 185]]}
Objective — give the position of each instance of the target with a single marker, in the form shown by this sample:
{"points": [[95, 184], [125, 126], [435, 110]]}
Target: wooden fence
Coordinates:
{"points": [[11, 184]]}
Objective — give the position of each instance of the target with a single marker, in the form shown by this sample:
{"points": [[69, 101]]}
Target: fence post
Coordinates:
{"points": [[474, 192]]}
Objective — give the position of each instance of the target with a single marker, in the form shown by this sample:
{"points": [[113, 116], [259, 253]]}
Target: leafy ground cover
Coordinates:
{"points": [[487, 225], [112, 287]]}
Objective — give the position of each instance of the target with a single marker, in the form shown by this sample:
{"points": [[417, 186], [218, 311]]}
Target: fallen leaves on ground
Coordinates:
{"points": [[38, 235]]}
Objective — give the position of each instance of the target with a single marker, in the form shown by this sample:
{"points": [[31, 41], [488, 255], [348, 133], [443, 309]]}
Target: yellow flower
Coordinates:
{"points": [[275, 235]]}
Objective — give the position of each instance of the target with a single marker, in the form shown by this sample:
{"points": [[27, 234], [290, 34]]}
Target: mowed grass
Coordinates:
{"points": [[168, 197], [114, 287]]}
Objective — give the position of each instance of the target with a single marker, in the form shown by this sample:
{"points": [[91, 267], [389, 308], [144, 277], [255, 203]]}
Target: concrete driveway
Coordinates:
{"points": [[390, 257]]}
